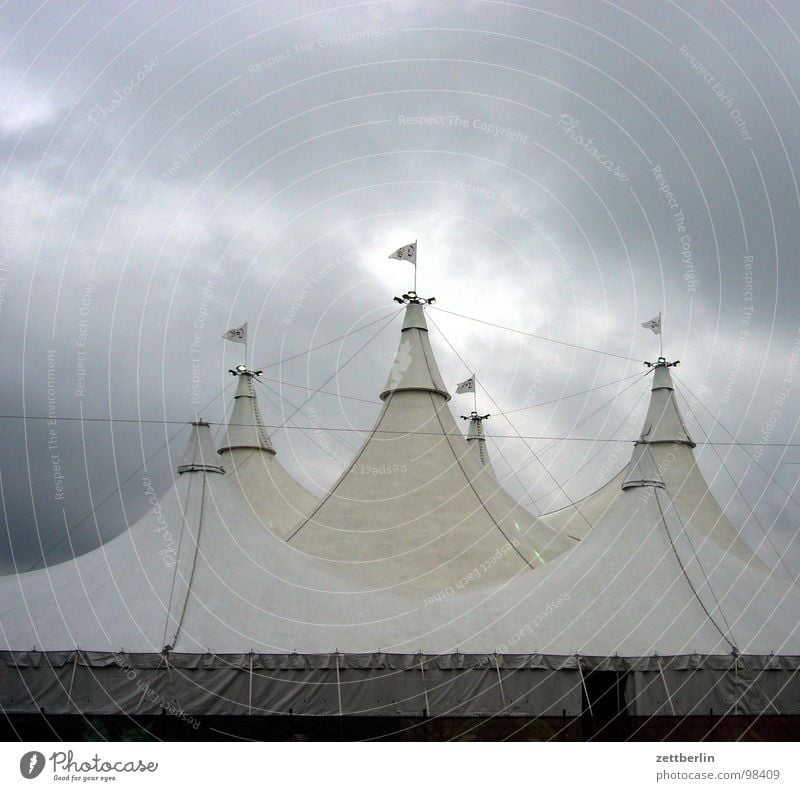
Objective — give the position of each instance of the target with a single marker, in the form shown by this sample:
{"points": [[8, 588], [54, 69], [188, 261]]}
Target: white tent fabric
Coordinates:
{"points": [[415, 506], [662, 456], [199, 573], [641, 583], [199, 455], [577, 519], [416, 580], [196, 548], [252, 469]]}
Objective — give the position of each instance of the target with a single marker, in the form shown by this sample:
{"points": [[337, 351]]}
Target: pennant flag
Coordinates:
{"points": [[654, 325], [467, 386], [407, 253], [237, 334]]}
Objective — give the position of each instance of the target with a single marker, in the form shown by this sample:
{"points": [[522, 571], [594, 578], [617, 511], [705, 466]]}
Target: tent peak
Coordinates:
{"points": [[243, 369], [661, 375], [199, 455], [643, 469], [414, 367], [245, 428], [476, 435], [664, 422], [411, 298]]}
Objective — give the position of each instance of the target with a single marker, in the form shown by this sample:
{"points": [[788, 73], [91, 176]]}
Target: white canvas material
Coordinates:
{"points": [[417, 574], [273, 497]]}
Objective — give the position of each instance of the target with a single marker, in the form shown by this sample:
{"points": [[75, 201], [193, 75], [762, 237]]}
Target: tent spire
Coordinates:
{"points": [[414, 366], [476, 436], [245, 428], [664, 422], [411, 297], [199, 455], [252, 467], [663, 425]]}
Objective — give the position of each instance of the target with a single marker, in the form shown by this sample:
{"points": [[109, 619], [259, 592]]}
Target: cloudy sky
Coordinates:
{"points": [[570, 169]]}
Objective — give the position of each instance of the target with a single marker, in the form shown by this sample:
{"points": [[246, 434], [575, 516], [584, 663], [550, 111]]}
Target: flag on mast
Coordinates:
{"points": [[467, 386], [653, 324], [237, 334], [406, 253]]}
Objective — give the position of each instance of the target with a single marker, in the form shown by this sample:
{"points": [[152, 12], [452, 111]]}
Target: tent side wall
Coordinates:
{"points": [[463, 685]]}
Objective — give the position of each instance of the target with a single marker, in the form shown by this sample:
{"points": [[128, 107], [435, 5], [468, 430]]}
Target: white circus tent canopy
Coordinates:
{"points": [[416, 505], [416, 584]]}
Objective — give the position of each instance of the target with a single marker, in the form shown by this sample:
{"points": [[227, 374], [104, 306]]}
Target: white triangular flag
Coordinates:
{"points": [[654, 325], [237, 334], [467, 386], [407, 253]]}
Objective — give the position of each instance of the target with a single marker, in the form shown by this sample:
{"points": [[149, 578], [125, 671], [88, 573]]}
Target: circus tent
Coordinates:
{"points": [[417, 584]]}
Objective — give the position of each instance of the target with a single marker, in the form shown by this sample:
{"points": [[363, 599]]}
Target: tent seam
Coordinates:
{"points": [[474, 491]]}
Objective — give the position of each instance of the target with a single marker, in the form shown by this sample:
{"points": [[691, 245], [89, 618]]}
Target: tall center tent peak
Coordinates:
{"points": [[416, 507]]}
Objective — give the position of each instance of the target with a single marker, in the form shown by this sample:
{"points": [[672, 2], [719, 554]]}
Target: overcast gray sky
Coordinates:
{"points": [[170, 170]]}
